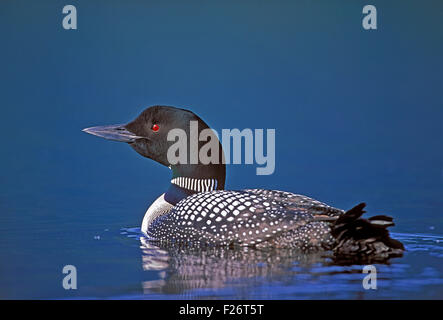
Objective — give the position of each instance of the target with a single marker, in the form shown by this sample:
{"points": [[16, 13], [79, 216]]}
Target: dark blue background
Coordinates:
{"points": [[358, 116]]}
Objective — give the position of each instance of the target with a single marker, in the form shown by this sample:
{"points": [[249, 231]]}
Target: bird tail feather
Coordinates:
{"points": [[357, 237]]}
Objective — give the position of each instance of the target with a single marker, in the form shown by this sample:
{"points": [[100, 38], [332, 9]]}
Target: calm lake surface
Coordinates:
{"points": [[116, 262], [358, 118]]}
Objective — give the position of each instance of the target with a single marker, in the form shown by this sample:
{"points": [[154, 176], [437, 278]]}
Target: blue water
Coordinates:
{"points": [[358, 117]]}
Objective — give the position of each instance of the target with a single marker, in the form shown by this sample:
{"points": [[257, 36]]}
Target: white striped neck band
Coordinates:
{"points": [[194, 184]]}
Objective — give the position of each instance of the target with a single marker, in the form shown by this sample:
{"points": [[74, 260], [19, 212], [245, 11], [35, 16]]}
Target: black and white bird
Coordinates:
{"points": [[196, 210]]}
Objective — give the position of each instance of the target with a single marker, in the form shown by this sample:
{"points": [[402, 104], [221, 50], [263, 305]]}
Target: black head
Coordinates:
{"points": [[148, 135]]}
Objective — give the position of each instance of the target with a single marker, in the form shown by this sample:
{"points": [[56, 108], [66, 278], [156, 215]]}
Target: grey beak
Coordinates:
{"points": [[116, 132]]}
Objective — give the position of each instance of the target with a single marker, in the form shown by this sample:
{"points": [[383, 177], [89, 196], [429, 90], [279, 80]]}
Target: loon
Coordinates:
{"points": [[196, 208]]}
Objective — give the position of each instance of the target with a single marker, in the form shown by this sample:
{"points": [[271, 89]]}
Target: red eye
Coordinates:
{"points": [[155, 127]]}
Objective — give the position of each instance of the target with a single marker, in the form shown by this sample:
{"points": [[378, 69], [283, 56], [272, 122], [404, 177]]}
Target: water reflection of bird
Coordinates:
{"points": [[197, 210], [187, 268]]}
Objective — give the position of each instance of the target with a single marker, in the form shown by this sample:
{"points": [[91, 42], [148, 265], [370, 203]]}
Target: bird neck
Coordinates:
{"points": [[190, 179]]}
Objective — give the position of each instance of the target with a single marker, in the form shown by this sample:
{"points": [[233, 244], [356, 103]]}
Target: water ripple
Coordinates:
{"points": [[286, 274]]}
